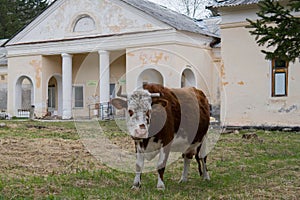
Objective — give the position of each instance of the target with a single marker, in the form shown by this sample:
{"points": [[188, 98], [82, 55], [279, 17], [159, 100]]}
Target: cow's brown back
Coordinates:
{"points": [[187, 110]]}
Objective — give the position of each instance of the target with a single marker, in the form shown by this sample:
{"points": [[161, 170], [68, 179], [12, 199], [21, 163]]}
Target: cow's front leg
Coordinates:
{"points": [[139, 168], [161, 165]]}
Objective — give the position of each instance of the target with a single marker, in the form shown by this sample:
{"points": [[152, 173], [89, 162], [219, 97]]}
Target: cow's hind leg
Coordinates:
{"points": [[205, 172], [186, 166], [198, 160], [202, 161]]}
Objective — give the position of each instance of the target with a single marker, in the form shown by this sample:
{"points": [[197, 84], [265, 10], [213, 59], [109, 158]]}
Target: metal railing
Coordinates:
{"points": [[103, 111], [24, 113]]}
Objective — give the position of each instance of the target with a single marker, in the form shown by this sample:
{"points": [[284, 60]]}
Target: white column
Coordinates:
{"points": [[104, 76], [67, 85]]}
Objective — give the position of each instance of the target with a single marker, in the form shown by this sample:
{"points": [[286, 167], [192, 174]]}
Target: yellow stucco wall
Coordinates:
{"points": [[246, 81], [171, 61], [30, 67]]}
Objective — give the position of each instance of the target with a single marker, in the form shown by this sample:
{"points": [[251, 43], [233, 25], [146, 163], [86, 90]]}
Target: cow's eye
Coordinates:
{"points": [[148, 113], [130, 112], [148, 116]]}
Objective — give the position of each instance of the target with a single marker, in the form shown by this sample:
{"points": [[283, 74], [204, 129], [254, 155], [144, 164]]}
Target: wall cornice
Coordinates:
{"points": [[116, 42]]}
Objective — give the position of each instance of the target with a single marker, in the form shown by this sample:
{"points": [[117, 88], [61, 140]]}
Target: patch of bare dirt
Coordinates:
{"points": [[124, 143], [22, 157]]}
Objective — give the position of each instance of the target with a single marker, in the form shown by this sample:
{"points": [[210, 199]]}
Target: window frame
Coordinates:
{"points": [[279, 70], [74, 96]]}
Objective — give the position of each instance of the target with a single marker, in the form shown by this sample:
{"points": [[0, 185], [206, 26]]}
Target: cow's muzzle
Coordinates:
{"points": [[140, 132]]}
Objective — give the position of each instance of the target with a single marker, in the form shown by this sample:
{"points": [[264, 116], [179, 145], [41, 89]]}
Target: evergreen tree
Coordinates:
{"points": [[15, 14], [278, 27]]}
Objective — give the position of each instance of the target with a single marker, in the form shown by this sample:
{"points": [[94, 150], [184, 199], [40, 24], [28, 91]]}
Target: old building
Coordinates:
{"points": [[3, 77], [70, 59], [255, 91], [75, 53]]}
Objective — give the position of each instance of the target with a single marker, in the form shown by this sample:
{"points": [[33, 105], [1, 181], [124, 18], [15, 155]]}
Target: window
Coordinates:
{"points": [[279, 78], [78, 96], [112, 87], [84, 24], [51, 96], [2, 78]]}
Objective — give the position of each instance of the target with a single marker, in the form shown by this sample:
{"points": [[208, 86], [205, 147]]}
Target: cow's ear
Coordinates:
{"points": [[119, 103], [162, 102]]}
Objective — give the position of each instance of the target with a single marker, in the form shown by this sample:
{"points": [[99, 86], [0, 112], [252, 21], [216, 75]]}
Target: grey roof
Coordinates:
{"points": [[225, 3], [3, 58], [211, 24], [176, 20], [2, 41]]}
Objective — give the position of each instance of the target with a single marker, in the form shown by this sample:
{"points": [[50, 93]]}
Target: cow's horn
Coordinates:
{"points": [[119, 93], [155, 94]]}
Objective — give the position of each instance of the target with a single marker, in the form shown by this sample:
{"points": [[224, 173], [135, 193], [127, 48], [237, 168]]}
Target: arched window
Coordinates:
{"points": [[54, 100], [150, 76], [24, 95], [188, 78], [84, 23]]}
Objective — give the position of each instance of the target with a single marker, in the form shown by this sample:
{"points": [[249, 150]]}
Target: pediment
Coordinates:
{"points": [[71, 19]]}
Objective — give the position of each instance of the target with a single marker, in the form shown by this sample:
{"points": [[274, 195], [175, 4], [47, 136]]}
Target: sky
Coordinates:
{"points": [[201, 14]]}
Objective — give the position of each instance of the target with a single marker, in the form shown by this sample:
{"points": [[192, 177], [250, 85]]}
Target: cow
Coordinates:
{"points": [[161, 120]]}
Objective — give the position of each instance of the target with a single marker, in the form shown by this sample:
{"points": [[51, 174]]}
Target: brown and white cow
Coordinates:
{"points": [[161, 120]]}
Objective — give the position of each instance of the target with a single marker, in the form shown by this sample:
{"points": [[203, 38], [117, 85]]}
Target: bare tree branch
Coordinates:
{"points": [[191, 8]]}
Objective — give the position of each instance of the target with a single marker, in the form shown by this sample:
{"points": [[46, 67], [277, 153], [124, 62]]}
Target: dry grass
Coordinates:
{"points": [[48, 161]]}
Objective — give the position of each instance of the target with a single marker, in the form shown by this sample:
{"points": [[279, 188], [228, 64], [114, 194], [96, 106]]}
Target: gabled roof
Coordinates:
{"points": [[227, 3], [171, 18], [3, 58], [176, 20]]}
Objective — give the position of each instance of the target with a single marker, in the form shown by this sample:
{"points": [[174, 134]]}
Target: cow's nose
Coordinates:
{"points": [[142, 126]]}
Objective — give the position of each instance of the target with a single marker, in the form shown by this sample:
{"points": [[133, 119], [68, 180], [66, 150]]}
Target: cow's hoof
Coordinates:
{"points": [[136, 187], [183, 180], [161, 187], [206, 178]]}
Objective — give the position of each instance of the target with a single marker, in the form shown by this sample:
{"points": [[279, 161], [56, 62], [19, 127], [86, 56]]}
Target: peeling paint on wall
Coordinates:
{"points": [[130, 54], [241, 83], [289, 109], [104, 3], [148, 26], [117, 20], [225, 83], [222, 70], [38, 69], [167, 58], [152, 58]]}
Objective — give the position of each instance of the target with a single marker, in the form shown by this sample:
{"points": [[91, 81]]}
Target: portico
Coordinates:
{"points": [[67, 81]]}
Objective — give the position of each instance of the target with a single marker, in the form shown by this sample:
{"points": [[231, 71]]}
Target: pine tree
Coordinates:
{"points": [[15, 14], [278, 27]]}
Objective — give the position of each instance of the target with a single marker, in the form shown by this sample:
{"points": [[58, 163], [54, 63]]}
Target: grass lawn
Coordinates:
{"points": [[46, 160]]}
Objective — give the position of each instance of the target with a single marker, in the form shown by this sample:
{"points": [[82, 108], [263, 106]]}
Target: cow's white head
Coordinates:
{"points": [[139, 109]]}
